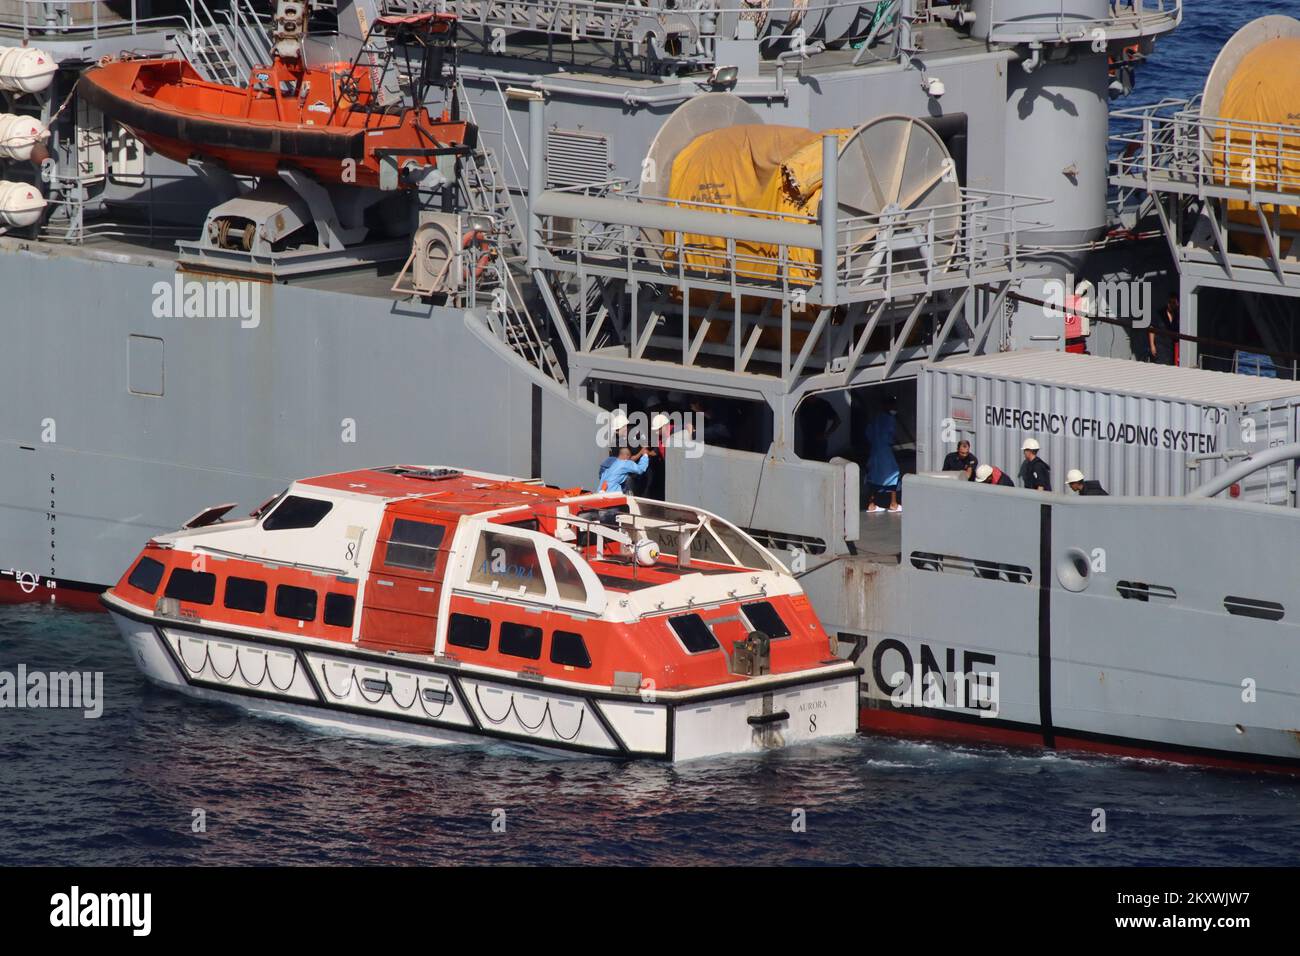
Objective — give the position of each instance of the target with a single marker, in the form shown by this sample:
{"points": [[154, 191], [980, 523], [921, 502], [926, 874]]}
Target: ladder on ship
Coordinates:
{"points": [[225, 43], [486, 193]]}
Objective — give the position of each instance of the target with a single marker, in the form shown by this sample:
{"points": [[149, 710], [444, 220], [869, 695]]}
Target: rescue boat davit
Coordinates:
{"points": [[445, 606], [330, 120]]}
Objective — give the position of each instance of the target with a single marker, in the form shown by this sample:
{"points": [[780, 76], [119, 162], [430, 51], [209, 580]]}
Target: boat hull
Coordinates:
{"points": [[171, 109], [439, 703]]}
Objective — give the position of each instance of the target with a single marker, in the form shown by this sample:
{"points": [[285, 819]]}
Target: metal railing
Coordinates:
{"points": [[224, 45], [77, 20], [78, 218], [488, 192], [757, 296], [1171, 146], [674, 31], [1124, 19], [880, 256]]}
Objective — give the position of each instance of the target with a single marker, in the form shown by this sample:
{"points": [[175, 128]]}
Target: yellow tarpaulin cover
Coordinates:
{"points": [[1265, 88], [771, 169]]}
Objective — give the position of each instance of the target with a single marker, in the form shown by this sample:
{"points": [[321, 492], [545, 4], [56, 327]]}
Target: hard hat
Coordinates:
{"points": [[1030, 444], [618, 419], [658, 421], [1073, 475], [983, 472]]}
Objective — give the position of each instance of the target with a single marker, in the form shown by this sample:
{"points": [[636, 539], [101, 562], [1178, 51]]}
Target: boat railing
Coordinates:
{"points": [[77, 19], [1123, 20]]}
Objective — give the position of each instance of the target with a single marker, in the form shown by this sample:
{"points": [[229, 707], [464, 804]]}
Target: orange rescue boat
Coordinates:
{"points": [[329, 121]]}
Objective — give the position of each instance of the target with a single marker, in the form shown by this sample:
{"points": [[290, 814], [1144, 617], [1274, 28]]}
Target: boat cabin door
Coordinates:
{"points": [[405, 585]]}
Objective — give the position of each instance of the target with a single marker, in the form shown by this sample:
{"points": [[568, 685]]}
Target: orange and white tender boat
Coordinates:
{"points": [[444, 606]]}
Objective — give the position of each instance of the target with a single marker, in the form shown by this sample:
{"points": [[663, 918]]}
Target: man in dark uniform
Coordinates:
{"points": [[1083, 486], [1162, 336], [988, 475], [962, 460], [1034, 472]]}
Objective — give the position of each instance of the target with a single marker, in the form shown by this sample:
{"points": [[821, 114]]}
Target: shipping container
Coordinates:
{"points": [[1138, 428]]}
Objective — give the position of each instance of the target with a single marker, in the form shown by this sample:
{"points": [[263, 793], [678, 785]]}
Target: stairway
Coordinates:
{"points": [[225, 42], [485, 193]]}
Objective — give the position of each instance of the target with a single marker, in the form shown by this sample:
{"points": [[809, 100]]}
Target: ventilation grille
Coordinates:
{"points": [[575, 158]]}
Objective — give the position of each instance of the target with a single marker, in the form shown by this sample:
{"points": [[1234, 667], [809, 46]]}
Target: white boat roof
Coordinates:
{"points": [[1097, 373]]}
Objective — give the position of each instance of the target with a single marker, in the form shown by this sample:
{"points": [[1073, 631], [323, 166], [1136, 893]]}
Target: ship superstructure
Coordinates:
{"points": [[943, 169]]}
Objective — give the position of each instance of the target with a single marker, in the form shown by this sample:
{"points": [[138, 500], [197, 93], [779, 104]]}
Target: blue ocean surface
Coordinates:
{"points": [[124, 789], [127, 787]]}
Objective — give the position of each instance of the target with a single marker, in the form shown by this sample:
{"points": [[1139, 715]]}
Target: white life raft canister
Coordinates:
{"points": [[21, 204], [19, 134], [25, 69]]}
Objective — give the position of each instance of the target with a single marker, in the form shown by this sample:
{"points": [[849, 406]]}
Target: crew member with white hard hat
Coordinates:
{"points": [[661, 428], [1081, 485], [1034, 472], [990, 475]]}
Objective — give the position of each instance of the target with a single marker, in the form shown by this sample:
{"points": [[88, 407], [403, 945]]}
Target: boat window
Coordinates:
{"points": [[147, 575], [520, 640], [466, 631], [763, 617], [704, 546], [197, 587], [414, 544], [507, 562], [1253, 607], [296, 512], [746, 554], [339, 609], [296, 603], [693, 633], [569, 649], [245, 594], [568, 582]]}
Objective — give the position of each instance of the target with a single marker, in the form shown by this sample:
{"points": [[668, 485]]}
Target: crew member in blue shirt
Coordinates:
{"points": [[615, 474]]}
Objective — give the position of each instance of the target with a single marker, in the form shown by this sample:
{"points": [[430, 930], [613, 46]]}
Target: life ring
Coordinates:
{"points": [[477, 238]]}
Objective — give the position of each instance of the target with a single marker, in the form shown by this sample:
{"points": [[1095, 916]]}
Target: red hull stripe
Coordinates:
{"points": [[899, 723], [73, 594]]}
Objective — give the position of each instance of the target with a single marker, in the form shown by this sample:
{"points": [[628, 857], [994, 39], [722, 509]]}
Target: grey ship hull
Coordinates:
{"points": [[117, 424], [243, 411]]}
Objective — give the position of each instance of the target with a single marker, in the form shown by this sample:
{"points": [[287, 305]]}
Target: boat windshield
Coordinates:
{"points": [[710, 538]]}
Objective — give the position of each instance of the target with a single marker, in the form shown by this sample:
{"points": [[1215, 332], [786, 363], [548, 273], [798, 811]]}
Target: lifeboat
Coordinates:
{"points": [[328, 120], [447, 606]]}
